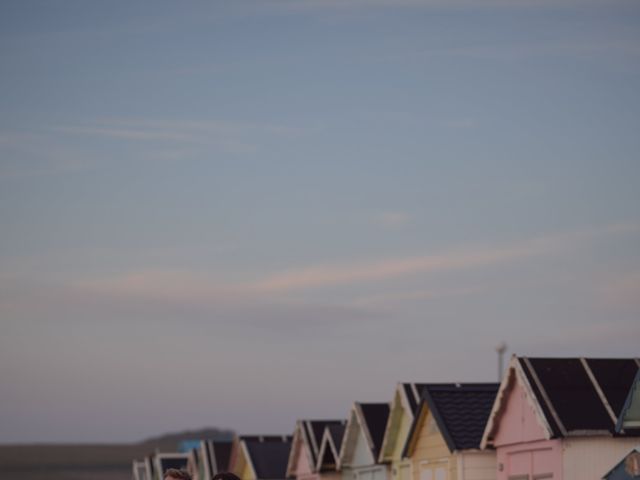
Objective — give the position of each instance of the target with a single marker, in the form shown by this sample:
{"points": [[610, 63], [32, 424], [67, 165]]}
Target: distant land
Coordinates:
{"points": [[91, 461]]}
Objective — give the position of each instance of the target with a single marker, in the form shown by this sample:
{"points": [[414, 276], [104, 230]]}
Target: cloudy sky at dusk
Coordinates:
{"points": [[243, 213]]}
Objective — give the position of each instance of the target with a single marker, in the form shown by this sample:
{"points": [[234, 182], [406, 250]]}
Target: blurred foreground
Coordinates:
{"points": [[88, 461]]}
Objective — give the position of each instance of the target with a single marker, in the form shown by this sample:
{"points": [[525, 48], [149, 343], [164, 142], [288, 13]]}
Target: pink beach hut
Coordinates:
{"points": [[305, 450], [555, 418]]}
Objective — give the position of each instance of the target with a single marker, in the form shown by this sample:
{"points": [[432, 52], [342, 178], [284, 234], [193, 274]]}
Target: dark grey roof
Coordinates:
{"points": [[614, 377], [265, 438], [222, 452], [269, 456], [572, 394], [375, 416], [461, 411], [413, 392], [337, 434], [315, 429], [179, 463], [630, 413]]}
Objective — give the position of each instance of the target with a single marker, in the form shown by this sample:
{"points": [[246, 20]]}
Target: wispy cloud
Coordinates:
{"points": [[230, 136], [386, 299], [302, 5], [344, 4], [127, 134], [63, 148], [515, 51], [335, 275], [201, 287], [27, 154]]}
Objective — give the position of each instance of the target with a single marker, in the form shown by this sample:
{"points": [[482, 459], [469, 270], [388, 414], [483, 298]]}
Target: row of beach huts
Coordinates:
{"points": [[549, 418]]}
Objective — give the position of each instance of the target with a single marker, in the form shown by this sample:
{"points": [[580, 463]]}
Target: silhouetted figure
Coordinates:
{"points": [[225, 476], [175, 474]]}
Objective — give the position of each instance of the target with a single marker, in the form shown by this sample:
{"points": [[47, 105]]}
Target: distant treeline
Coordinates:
{"points": [[95, 461]]}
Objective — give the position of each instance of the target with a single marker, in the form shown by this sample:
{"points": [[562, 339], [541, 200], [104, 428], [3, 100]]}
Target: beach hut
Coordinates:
{"points": [[626, 469], [360, 449], [629, 418], [404, 406], [305, 449], [164, 461], [213, 458], [329, 452], [140, 470], [444, 440], [556, 418], [261, 457]]}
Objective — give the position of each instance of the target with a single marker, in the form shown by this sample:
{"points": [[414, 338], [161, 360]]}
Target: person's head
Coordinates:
{"points": [[225, 476], [175, 474]]}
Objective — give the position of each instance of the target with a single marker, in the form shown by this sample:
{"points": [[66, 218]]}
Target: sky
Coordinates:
{"points": [[238, 214]]}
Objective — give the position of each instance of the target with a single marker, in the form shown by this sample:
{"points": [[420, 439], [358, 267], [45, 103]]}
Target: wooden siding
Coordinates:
{"points": [[587, 458], [244, 471], [480, 465], [393, 426], [519, 422], [302, 466], [361, 455], [431, 456], [330, 476], [401, 436], [371, 472], [530, 459], [401, 468]]}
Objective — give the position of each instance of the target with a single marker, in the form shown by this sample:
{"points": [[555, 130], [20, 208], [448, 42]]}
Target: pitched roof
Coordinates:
{"points": [[573, 396], [330, 447], [308, 435], [337, 434], [460, 410], [412, 392], [371, 418], [375, 416], [619, 471], [215, 455], [268, 455], [629, 417], [165, 461], [222, 453], [406, 400]]}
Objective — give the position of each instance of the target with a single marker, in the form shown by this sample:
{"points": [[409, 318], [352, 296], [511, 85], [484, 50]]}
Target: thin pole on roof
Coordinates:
{"points": [[500, 349]]}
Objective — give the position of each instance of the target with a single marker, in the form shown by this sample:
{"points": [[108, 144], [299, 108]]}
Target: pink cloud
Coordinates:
{"points": [[337, 275]]}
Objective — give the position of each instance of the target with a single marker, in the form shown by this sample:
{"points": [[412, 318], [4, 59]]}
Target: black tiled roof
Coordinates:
{"points": [[178, 463], [269, 457], [573, 395], [538, 393], [337, 433], [316, 428], [266, 438], [222, 452], [410, 393], [375, 416], [629, 414], [461, 411], [614, 375]]}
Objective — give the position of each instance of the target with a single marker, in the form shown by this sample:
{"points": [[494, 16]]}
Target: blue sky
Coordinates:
{"points": [[243, 213]]}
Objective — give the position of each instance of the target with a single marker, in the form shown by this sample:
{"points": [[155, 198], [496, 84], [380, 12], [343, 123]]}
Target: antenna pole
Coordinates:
{"points": [[500, 349]]}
